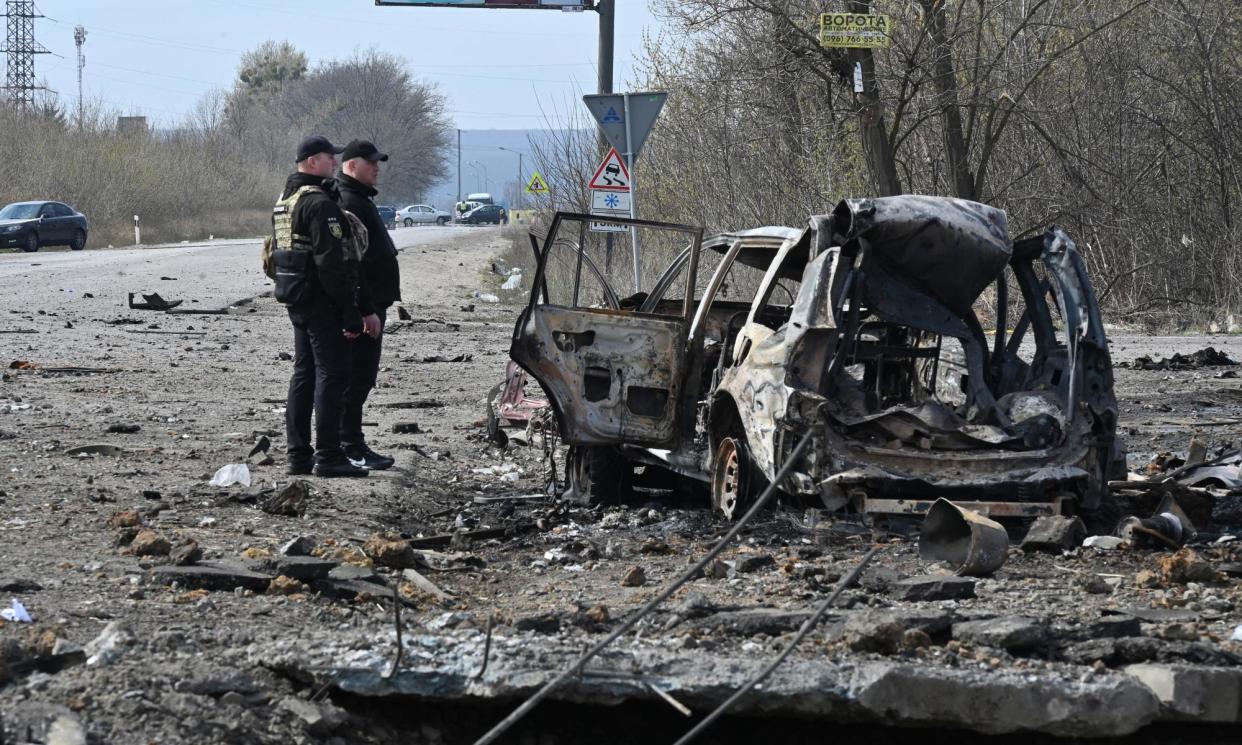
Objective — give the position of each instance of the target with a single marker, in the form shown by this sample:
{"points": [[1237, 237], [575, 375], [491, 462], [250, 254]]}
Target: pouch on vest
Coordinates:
{"points": [[294, 270]]}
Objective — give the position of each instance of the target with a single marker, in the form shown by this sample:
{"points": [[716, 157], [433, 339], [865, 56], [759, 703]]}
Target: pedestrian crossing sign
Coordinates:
{"points": [[537, 185]]}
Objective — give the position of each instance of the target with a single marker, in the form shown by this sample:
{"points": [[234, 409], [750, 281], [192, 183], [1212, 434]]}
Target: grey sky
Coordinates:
{"points": [[498, 68]]}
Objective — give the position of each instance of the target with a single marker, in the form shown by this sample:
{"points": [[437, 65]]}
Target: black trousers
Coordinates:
{"points": [[321, 363], [363, 370]]}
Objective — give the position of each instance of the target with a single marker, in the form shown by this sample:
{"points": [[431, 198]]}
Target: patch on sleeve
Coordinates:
{"points": [[334, 228]]}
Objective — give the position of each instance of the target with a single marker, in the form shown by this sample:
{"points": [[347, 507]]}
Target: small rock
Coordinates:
{"points": [[928, 587], [598, 614], [66, 730], [123, 429], [915, 639], [125, 519], [109, 645], [320, 717], [655, 547], [1008, 632], [753, 563], [299, 567], [300, 546], [717, 569], [285, 356], [1182, 632], [291, 500], [1102, 542], [187, 552], [874, 631], [150, 543], [543, 623], [1054, 533], [1185, 566], [634, 577], [1146, 578], [1095, 584], [283, 585], [406, 428], [390, 549]]}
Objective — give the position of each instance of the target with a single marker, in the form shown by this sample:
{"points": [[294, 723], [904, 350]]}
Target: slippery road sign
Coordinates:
{"points": [[612, 175]]}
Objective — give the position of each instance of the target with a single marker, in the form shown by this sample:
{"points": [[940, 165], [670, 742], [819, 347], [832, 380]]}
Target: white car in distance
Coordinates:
{"points": [[422, 214]]}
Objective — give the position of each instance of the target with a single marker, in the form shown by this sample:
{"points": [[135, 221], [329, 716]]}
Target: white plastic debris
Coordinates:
{"points": [[233, 473], [16, 613], [1237, 634], [1104, 542], [513, 282], [1227, 539], [486, 297]]}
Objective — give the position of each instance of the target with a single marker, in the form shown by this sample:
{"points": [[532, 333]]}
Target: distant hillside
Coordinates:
{"points": [[484, 166]]}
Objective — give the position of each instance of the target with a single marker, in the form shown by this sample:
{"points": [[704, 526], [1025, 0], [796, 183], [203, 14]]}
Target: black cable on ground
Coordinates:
{"points": [[530, 703]]}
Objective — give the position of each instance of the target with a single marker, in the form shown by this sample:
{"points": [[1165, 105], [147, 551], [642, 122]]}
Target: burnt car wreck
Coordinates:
{"points": [[925, 352]]}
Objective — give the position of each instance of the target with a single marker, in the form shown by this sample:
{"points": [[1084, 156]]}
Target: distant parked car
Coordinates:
{"points": [[488, 213], [29, 225], [388, 215], [422, 214]]}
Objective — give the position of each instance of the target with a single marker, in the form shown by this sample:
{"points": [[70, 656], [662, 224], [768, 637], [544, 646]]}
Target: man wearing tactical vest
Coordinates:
{"points": [[316, 272], [379, 286]]}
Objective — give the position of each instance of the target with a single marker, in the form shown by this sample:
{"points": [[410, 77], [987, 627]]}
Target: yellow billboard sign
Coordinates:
{"points": [[852, 30]]}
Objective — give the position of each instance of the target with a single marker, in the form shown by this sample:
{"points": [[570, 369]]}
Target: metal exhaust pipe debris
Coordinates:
{"points": [[969, 542]]}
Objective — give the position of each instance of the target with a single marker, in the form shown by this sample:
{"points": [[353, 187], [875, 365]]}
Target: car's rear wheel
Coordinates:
{"points": [[442, 221], [733, 479], [32, 243], [78, 242], [598, 475], [409, 223]]}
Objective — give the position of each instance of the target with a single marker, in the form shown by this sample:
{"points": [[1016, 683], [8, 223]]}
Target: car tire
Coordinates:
{"points": [[78, 242], [442, 221], [733, 479], [597, 475], [409, 223], [32, 242]]}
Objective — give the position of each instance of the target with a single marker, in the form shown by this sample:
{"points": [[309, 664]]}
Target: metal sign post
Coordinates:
{"points": [[629, 163]]}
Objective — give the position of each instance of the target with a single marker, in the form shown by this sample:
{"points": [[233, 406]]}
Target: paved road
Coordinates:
{"points": [[208, 274]]}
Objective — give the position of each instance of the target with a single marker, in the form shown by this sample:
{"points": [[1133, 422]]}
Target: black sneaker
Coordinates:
{"points": [[299, 468], [338, 468], [364, 457]]}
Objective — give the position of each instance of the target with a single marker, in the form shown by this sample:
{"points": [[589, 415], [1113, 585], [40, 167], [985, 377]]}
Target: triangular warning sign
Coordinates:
{"points": [[537, 185], [612, 175]]}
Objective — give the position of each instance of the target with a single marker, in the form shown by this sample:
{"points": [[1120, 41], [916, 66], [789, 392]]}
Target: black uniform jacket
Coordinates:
{"points": [[319, 217], [380, 284]]}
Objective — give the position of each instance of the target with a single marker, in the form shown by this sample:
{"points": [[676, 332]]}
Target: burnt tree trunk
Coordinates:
{"points": [[945, 79], [877, 149]]}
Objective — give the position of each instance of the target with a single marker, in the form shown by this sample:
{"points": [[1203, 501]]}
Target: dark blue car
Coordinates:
{"points": [[29, 225]]}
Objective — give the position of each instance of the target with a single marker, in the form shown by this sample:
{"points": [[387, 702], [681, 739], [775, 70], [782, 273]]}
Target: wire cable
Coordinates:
{"points": [[807, 625], [530, 703]]}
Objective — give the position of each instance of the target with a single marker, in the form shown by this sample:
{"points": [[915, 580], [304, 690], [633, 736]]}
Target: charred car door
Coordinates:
{"points": [[613, 374]]}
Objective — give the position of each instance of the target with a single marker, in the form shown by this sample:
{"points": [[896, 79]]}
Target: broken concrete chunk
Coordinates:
{"points": [[1102, 542], [354, 573], [928, 587], [874, 631], [283, 585], [1010, 633], [1054, 534], [300, 546], [1211, 694], [185, 553], [319, 717], [753, 563], [212, 576]]}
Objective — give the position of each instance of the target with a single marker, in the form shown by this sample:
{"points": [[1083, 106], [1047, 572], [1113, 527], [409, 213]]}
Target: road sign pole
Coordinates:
{"points": [[629, 163]]}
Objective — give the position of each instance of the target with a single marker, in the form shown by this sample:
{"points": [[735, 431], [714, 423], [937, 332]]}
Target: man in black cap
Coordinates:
{"points": [[325, 314], [379, 286]]}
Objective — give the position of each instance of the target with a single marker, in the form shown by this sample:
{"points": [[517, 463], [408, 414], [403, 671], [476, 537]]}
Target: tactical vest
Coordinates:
{"points": [[282, 222]]}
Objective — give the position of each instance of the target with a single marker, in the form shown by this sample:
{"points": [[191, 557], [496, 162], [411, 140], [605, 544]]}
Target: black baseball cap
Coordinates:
{"points": [[363, 149], [314, 145]]}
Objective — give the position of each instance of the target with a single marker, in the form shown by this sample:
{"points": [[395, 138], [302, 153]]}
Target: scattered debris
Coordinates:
{"points": [[150, 543], [930, 587], [16, 612], [1103, 542], [390, 549], [1011, 633], [123, 429], [233, 473], [406, 428], [292, 500], [99, 449], [634, 577], [441, 358], [969, 542], [1185, 566], [1206, 357], [152, 302], [108, 647]]}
